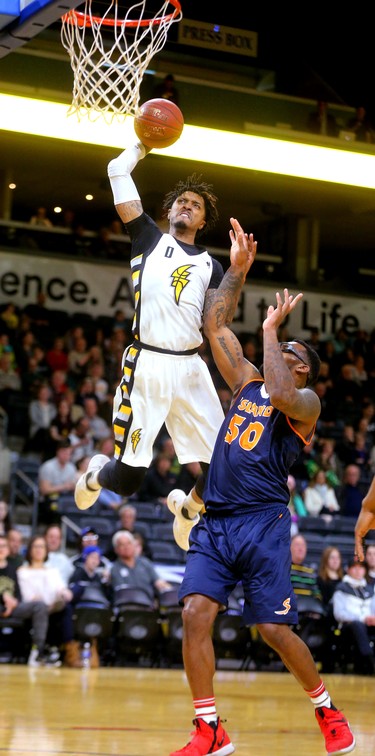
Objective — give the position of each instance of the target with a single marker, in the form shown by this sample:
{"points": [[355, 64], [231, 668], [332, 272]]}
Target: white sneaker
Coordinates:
{"points": [[35, 659], [181, 526], [85, 496], [52, 658]]}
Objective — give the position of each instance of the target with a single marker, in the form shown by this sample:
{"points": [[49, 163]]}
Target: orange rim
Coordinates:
{"points": [[82, 19]]}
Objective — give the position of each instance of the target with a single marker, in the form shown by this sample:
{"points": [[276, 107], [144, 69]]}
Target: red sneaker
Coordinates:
{"points": [[207, 738], [336, 731]]}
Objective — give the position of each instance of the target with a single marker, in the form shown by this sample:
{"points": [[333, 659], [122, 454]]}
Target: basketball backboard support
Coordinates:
{"points": [[20, 20]]}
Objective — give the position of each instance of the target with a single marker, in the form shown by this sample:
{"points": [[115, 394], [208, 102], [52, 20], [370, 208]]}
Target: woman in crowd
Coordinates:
{"points": [[39, 582]]}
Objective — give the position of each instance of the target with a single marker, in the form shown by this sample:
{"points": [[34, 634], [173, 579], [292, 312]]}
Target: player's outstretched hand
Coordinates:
{"points": [[276, 315], [243, 249]]}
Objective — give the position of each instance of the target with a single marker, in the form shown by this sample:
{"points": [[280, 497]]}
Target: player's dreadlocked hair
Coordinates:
{"points": [[195, 184]]}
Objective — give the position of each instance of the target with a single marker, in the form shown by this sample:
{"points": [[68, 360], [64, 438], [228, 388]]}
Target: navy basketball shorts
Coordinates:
{"points": [[253, 548]]}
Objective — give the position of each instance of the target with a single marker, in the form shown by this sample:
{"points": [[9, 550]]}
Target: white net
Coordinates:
{"points": [[109, 55]]}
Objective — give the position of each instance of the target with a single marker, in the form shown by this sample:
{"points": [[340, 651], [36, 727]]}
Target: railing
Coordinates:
{"points": [[24, 490]]}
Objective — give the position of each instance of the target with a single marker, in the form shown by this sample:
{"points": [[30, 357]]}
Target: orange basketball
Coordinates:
{"points": [[159, 123]]}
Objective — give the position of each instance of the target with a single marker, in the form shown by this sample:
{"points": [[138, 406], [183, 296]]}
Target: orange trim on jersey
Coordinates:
{"points": [[310, 436], [234, 397]]}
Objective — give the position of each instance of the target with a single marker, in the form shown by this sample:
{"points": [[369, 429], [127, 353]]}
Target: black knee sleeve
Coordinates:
{"points": [[122, 479]]}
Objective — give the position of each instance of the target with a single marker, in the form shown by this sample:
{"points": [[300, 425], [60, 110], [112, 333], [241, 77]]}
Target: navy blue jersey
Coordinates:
{"points": [[254, 450]]}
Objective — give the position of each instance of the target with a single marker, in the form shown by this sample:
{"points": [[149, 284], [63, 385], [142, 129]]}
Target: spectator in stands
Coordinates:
{"points": [[127, 520], [81, 439], [361, 453], [40, 218], [132, 571], [167, 447], [90, 537], [89, 586], [61, 426], [296, 504], [359, 371], [67, 219], [39, 318], [15, 548], [12, 605], [345, 447], [25, 349], [188, 476], [76, 410], [59, 385], [85, 388], [57, 476], [159, 481], [31, 378], [99, 429], [314, 340], [354, 608], [349, 396], [305, 465], [7, 348], [100, 386], [320, 498], [56, 556], [320, 121], [103, 245], [42, 412], [10, 382], [361, 126], [78, 359], [87, 574], [56, 357], [330, 574], [351, 493], [327, 424], [167, 89], [370, 562], [225, 396], [5, 519], [80, 242], [39, 582], [10, 318], [328, 460], [303, 576]]}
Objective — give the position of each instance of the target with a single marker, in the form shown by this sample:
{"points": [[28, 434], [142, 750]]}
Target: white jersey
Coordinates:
{"points": [[170, 281], [164, 379]]}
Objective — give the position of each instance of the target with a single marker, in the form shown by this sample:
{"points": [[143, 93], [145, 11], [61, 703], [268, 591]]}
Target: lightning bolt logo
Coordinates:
{"points": [[180, 279], [286, 603], [135, 438]]}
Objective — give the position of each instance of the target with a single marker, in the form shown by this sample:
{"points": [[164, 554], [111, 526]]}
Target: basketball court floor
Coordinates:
{"points": [[143, 712]]}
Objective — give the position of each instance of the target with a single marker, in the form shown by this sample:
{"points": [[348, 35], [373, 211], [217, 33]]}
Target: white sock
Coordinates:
{"points": [[192, 506]]}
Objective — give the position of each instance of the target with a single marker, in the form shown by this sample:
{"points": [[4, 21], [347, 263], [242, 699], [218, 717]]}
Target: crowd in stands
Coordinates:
{"points": [[56, 387]]}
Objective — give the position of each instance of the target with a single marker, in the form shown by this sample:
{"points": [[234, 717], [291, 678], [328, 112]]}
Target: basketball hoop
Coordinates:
{"points": [[109, 55]]}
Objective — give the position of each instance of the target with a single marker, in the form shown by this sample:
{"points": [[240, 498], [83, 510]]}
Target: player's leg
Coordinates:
{"points": [[299, 661], [187, 508], [193, 422], [135, 428], [204, 575]]}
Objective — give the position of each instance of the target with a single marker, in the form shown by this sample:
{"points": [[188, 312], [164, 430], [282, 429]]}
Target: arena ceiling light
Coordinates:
{"points": [[49, 119]]}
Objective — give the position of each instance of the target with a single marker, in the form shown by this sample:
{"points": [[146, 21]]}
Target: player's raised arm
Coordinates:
{"points": [[221, 306], [125, 193]]}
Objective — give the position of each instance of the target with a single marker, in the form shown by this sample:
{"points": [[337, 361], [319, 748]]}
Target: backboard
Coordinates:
{"points": [[20, 20]]}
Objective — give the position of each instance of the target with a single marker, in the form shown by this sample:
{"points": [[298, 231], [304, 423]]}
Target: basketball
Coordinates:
{"points": [[159, 123]]}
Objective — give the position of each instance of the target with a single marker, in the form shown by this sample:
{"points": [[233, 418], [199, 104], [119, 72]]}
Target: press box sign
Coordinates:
{"points": [[216, 37]]}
